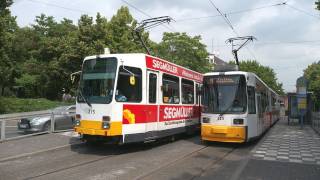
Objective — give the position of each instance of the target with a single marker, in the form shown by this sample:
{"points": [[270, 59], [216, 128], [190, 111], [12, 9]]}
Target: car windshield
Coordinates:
{"points": [[97, 80], [224, 94]]}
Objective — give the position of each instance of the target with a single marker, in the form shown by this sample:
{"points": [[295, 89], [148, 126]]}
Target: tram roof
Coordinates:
{"points": [[137, 55], [239, 73]]}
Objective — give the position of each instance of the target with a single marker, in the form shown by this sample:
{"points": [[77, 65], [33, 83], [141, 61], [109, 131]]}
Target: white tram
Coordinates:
{"points": [[125, 98], [237, 107]]}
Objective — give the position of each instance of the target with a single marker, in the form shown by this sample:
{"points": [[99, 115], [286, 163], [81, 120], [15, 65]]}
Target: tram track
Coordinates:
{"points": [[149, 174], [95, 160], [70, 167], [153, 161], [117, 149], [203, 170]]}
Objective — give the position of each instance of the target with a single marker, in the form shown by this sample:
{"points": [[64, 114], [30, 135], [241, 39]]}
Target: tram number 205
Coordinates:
{"points": [[220, 118]]}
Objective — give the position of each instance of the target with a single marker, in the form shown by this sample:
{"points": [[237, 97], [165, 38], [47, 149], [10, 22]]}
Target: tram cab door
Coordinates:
{"points": [[152, 100]]}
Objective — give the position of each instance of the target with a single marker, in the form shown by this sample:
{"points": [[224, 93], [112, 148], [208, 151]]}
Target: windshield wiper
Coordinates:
{"points": [[84, 99]]}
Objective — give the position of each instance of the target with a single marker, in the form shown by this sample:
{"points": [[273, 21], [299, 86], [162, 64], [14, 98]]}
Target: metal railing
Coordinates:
{"points": [[19, 125], [316, 121]]}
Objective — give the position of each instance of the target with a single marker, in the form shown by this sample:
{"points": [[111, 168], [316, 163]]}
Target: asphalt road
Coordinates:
{"points": [[186, 158], [183, 159]]}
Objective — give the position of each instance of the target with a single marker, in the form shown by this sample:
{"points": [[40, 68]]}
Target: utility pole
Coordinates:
{"points": [[236, 47]]}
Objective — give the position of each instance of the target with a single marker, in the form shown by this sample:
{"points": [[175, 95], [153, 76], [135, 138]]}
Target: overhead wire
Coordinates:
{"points": [[225, 18], [61, 7], [304, 12], [304, 42], [231, 13], [142, 12], [224, 15]]}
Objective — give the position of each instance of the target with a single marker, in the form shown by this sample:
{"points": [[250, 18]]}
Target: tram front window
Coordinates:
{"points": [[97, 80], [225, 94]]}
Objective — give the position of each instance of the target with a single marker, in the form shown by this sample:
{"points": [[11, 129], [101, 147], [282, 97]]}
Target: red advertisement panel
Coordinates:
{"points": [[170, 113], [164, 66], [133, 113]]}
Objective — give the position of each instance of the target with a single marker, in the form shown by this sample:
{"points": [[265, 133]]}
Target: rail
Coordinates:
{"points": [[10, 124], [16, 116]]}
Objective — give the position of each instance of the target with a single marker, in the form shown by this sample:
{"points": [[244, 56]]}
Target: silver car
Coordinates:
{"points": [[63, 119]]}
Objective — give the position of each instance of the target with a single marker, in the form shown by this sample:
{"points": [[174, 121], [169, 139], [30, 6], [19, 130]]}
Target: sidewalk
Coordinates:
{"points": [[286, 152], [283, 153], [289, 143], [36, 144]]}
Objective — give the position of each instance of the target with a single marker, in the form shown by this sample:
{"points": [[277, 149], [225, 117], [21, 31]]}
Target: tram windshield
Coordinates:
{"points": [[97, 80], [224, 94]]}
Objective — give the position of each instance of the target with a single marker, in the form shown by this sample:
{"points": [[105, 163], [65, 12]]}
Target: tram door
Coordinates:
{"points": [[152, 99], [260, 114]]}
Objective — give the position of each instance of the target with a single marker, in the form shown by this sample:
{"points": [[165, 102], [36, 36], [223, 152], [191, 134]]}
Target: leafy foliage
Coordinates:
{"points": [[24, 105], [312, 74], [7, 63], [263, 72], [36, 61], [317, 3], [184, 50]]}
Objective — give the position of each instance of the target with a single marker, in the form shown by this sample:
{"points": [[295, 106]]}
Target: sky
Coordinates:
{"points": [[288, 38]]}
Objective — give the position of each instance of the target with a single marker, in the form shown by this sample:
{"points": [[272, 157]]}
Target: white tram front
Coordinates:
{"points": [[237, 107], [125, 98]]}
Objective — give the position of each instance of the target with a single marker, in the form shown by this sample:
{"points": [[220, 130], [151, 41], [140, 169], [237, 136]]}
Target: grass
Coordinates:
{"points": [[14, 105]]}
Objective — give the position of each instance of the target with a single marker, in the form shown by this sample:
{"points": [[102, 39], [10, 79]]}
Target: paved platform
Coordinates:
{"points": [[283, 153], [289, 143]]}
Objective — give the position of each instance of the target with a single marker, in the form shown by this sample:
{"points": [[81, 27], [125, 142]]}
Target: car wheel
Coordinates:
{"points": [[47, 126]]}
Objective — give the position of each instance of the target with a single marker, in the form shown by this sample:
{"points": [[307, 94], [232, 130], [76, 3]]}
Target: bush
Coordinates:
{"points": [[14, 105]]}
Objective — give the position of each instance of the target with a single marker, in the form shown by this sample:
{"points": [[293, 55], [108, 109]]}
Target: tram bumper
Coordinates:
{"points": [[94, 128], [235, 134]]}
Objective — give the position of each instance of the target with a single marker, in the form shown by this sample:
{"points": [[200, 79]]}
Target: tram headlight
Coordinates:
{"points": [[238, 121], [205, 120], [77, 120], [105, 122]]}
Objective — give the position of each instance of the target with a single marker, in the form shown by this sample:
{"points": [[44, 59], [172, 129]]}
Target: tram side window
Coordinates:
{"points": [[152, 88], [252, 100], [170, 89], [273, 100], [187, 90], [129, 87], [197, 93]]}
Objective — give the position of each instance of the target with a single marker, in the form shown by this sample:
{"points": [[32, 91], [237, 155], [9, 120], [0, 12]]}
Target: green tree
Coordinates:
{"points": [[184, 50], [266, 73], [317, 3], [8, 27], [48, 50], [312, 74], [119, 36]]}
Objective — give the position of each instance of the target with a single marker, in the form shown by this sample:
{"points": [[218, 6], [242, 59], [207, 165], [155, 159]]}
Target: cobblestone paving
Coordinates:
{"points": [[289, 144]]}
